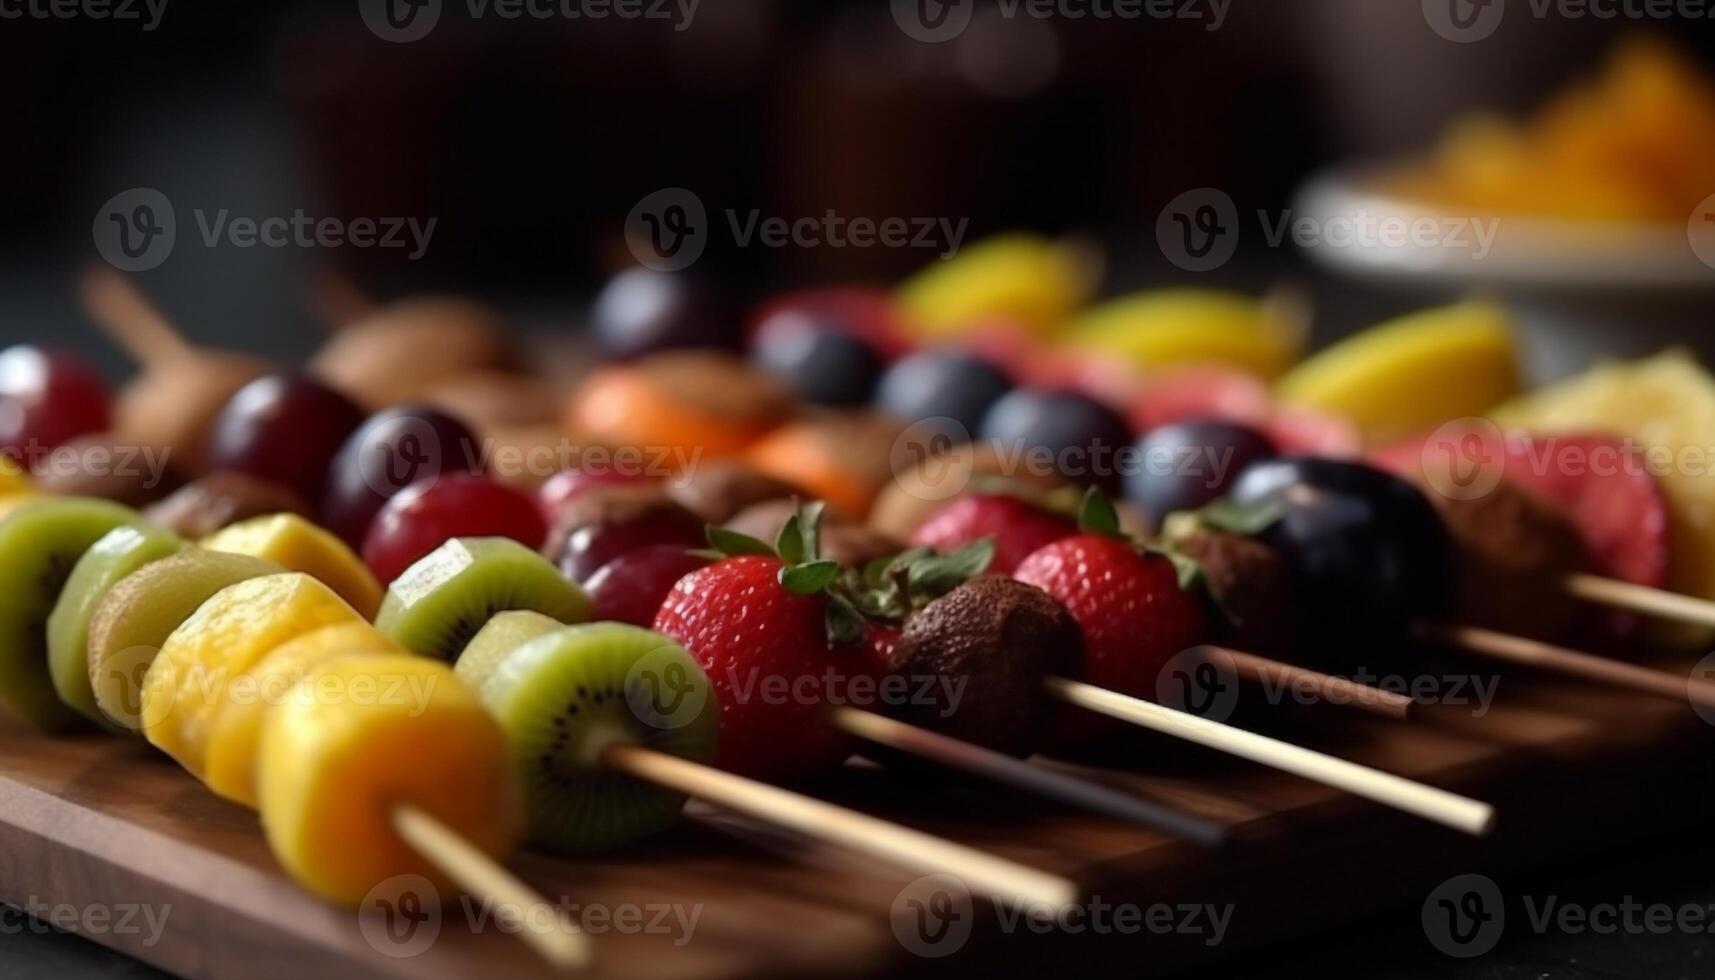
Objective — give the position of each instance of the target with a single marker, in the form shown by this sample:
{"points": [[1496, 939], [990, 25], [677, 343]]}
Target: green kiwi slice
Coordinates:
{"points": [[40, 543], [567, 695], [495, 642], [138, 613], [120, 552], [440, 603]]}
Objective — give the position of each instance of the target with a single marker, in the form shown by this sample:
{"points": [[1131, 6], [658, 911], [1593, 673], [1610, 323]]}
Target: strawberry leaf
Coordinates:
{"points": [[940, 574], [731, 544], [810, 578], [810, 529], [1097, 515], [790, 542], [845, 623]]}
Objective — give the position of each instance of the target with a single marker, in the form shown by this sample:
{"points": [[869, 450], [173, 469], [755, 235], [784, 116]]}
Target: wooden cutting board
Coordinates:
{"points": [[118, 839]]}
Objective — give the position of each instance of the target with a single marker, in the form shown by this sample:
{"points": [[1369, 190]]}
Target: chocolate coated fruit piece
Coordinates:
{"points": [[42, 541], [221, 499]]}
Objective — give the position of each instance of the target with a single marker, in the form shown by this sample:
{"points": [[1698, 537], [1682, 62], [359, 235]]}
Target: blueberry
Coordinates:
{"points": [[942, 383], [1082, 439], [821, 362], [1184, 465], [1369, 552], [641, 311]]}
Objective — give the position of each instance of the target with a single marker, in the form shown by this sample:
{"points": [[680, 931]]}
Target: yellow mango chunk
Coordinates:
{"points": [[1023, 279], [236, 731], [1412, 373], [1165, 327], [369, 734], [291, 542], [237, 626]]}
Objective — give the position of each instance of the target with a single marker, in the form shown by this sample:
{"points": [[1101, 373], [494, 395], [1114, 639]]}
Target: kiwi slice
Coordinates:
{"points": [[440, 603], [40, 543], [136, 615], [570, 693], [120, 552], [495, 642]]}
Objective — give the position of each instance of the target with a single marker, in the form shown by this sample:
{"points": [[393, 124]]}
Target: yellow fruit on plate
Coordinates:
{"points": [[1666, 405], [1167, 327], [1413, 373], [229, 767], [380, 732], [294, 543], [1019, 278], [239, 625]]}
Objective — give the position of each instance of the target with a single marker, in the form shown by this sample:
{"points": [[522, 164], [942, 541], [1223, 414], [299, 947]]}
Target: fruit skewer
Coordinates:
{"points": [[1009, 646], [631, 718], [63, 555]]}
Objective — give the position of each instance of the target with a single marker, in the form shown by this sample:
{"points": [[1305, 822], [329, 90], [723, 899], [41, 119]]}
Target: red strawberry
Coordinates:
{"points": [[767, 653], [1017, 526], [1134, 615]]}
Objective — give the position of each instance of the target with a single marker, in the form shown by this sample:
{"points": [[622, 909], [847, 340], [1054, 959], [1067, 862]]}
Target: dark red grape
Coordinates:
{"points": [[601, 525], [1063, 433], [47, 398], [1184, 465], [631, 588], [641, 311], [567, 485], [425, 515], [389, 452], [283, 428]]}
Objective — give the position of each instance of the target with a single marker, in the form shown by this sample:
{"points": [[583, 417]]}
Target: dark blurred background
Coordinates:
{"points": [[530, 140]]}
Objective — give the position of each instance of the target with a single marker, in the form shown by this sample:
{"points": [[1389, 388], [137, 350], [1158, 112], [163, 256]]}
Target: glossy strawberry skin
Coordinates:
{"points": [[1017, 526], [1133, 614], [767, 654]]}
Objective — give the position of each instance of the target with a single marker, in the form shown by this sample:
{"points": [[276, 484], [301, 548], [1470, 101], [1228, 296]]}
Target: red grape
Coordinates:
{"points": [[47, 398], [425, 515], [598, 527], [389, 452], [631, 588], [567, 485], [284, 428]]}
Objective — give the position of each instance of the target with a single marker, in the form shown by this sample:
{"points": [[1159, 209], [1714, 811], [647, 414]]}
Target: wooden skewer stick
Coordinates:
{"points": [[1335, 690], [479, 874], [130, 318], [1642, 599], [1018, 773], [1546, 656], [987, 873], [1458, 812]]}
